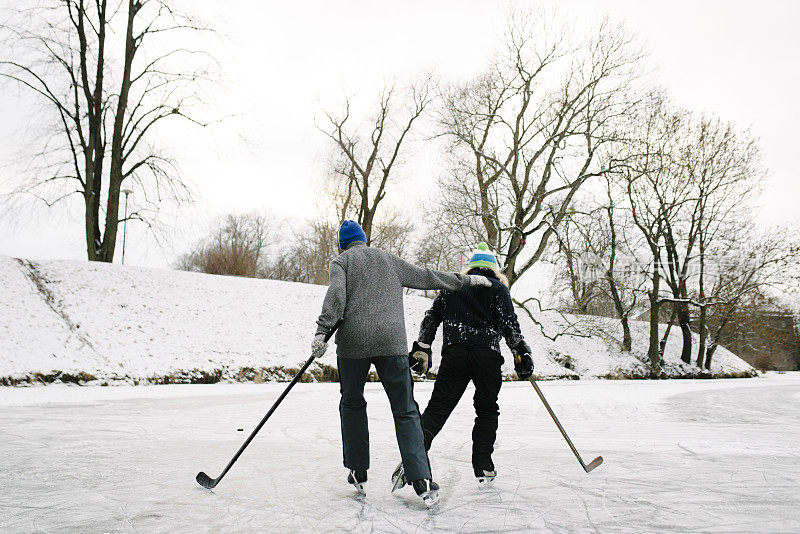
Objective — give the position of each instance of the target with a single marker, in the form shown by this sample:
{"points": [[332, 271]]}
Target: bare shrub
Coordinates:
{"points": [[236, 247]]}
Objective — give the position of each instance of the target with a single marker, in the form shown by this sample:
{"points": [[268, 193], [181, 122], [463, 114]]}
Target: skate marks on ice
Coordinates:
{"points": [[714, 457]]}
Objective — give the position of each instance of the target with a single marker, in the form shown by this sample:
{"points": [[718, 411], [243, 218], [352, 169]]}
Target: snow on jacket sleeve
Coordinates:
{"points": [[509, 324], [335, 299], [433, 318], [415, 277]]}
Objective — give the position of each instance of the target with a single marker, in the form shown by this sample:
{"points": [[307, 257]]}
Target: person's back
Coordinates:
{"points": [[475, 316], [374, 290]]}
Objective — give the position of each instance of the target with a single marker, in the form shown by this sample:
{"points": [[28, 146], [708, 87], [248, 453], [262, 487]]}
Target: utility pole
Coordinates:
{"points": [[126, 192]]}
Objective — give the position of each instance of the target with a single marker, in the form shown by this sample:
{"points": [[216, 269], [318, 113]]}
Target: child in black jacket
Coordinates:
{"points": [[474, 319]]}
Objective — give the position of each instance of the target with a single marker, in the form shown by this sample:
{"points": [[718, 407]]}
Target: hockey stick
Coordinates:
{"points": [[594, 463], [208, 482]]}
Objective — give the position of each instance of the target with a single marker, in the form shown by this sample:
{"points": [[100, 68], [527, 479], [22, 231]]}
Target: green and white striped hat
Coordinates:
{"points": [[483, 257]]}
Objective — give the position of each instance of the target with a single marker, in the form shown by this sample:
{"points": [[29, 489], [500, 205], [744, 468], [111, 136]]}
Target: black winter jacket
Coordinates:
{"points": [[475, 315]]}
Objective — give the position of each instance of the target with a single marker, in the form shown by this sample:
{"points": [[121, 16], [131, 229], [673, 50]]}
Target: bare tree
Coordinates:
{"points": [[237, 246], [719, 168], [109, 81], [749, 266], [655, 197], [308, 259], [392, 233], [597, 257], [623, 275], [582, 242], [724, 166], [366, 157], [527, 135], [688, 181]]}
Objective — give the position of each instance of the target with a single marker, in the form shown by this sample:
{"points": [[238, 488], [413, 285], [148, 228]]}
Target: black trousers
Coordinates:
{"points": [[460, 364]]}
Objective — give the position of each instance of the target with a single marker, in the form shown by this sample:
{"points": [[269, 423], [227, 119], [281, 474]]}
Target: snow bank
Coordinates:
{"points": [[74, 321]]}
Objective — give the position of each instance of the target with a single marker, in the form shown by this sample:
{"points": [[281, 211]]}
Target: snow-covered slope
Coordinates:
{"points": [[60, 318]]}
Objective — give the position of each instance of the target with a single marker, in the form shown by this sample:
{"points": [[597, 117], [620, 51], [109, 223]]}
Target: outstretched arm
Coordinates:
{"points": [[414, 277]]}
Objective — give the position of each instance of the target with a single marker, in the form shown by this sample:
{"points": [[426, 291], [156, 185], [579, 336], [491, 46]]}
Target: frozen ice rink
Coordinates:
{"points": [[700, 456]]}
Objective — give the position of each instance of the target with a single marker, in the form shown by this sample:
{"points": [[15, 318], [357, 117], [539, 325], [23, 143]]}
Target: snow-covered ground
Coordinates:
{"points": [[680, 456], [135, 324]]}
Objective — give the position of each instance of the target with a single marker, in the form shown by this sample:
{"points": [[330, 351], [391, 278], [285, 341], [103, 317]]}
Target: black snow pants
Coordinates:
{"points": [[396, 380], [460, 364]]}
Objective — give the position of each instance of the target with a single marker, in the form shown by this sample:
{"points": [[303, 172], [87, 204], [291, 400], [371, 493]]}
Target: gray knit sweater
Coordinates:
{"points": [[366, 292]]}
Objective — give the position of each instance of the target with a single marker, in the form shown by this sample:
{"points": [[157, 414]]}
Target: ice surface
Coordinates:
{"points": [[117, 322], [680, 456]]}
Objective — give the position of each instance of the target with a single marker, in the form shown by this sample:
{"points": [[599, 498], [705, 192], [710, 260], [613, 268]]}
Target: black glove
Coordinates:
{"points": [[523, 365], [420, 359]]}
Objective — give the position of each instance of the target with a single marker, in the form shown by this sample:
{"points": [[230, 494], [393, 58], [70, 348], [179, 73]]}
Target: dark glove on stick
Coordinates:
{"points": [[420, 359], [523, 365]]}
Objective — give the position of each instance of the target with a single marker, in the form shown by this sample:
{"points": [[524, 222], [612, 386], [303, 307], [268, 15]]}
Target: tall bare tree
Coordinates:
{"points": [[724, 166], [582, 243], [688, 181], [366, 156], [654, 194], [525, 136], [597, 257], [623, 274], [109, 79]]}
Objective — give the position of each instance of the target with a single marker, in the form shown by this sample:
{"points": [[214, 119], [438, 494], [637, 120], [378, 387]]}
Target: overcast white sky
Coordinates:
{"points": [[284, 61]]}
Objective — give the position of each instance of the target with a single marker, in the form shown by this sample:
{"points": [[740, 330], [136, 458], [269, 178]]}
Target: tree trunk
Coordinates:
{"points": [[626, 335], [94, 150], [92, 230], [492, 233], [662, 346], [117, 156], [686, 332], [718, 335], [701, 349], [366, 224], [617, 300], [709, 354], [653, 353], [515, 245]]}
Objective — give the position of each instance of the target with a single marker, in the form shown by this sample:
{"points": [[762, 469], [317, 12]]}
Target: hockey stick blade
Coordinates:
{"points": [[205, 480], [593, 464]]}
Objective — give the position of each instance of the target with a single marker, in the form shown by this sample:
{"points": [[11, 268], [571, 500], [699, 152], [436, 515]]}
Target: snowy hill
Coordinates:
{"points": [[75, 321]]}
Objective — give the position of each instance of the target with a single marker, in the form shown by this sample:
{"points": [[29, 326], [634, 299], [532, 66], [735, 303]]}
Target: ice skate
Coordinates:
{"points": [[357, 479], [485, 477], [399, 477], [428, 490]]}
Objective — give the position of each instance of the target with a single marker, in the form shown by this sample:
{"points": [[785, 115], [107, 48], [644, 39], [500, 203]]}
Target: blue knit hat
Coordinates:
{"points": [[483, 257], [349, 232]]}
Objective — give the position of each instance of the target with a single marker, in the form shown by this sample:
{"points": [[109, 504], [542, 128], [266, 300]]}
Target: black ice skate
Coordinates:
{"points": [[428, 490], [357, 479], [485, 476], [399, 477]]}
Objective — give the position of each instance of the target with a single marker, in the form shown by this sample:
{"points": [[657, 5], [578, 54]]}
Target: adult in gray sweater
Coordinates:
{"points": [[366, 293]]}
